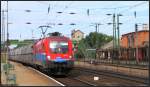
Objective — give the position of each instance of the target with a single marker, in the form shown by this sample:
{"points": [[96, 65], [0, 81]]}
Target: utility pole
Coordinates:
{"points": [[32, 34], [98, 24], [3, 30], [114, 34], [96, 27], [136, 30], [7, 26], [7, 47], [118, 38], [114, 31], [136, 42], [96, 30], [95, 24], [118, 41]]}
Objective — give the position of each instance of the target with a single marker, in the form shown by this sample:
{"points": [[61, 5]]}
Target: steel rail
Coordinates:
{"points": [[114, 74]]}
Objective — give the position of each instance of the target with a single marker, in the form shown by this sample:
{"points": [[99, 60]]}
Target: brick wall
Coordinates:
{"points": [[142, 37]]}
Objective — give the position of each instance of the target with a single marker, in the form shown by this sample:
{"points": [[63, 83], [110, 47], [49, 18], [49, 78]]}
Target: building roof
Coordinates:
{"points": [[135, 32], [108, 45], [79, 31]]}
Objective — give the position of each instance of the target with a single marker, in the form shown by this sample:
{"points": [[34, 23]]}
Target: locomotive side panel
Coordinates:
{"points": [[39, 53]]}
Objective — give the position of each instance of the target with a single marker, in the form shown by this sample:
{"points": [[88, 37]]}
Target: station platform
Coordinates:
{"points": [[26, 76]]}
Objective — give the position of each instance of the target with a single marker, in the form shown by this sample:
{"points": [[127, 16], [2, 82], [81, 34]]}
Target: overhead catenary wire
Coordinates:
{"points": [[97, 8], [67, 6], [119, 7], [128, 7], [109, 8], [62, 12], [133, 6]]}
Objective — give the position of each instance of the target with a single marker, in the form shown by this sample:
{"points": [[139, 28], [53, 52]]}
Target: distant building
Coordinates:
{"points": [[129, 40], [108, 45], [77, 35], [128, 46]]}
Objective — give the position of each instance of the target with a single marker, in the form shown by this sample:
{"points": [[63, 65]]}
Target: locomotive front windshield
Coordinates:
{"points": [[59, 47]]}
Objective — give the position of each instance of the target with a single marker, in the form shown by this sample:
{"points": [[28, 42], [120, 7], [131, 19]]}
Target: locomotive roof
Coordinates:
{"points": [[58, 38]]}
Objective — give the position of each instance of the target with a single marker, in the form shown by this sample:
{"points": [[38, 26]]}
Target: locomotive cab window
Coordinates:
{"points": [[59, 47]]}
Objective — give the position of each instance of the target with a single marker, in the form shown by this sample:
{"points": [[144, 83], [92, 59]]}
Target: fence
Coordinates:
{"points": [[123, 61], [123, 56]]}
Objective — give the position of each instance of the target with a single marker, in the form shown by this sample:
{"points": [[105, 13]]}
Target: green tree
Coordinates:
{"points": [[92, 41]]}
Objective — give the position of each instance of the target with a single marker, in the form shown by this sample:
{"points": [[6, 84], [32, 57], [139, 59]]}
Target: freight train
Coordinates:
{"points": [[53, 54]]}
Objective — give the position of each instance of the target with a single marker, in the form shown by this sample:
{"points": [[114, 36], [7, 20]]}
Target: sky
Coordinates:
{"points": [[39, 16]]}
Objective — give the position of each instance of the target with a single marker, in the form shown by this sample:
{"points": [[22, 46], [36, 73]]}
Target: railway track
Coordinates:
{"points": [[138, 80], [82, 77], [65, 80], [69, 81]]}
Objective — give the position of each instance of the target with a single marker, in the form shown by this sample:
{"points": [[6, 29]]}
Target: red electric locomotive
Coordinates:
{"points": [[54, 54]]}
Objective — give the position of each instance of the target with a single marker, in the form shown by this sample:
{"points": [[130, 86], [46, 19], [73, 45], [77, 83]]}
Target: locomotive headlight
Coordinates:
{"points": [[49, 57], [70, 56]]}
